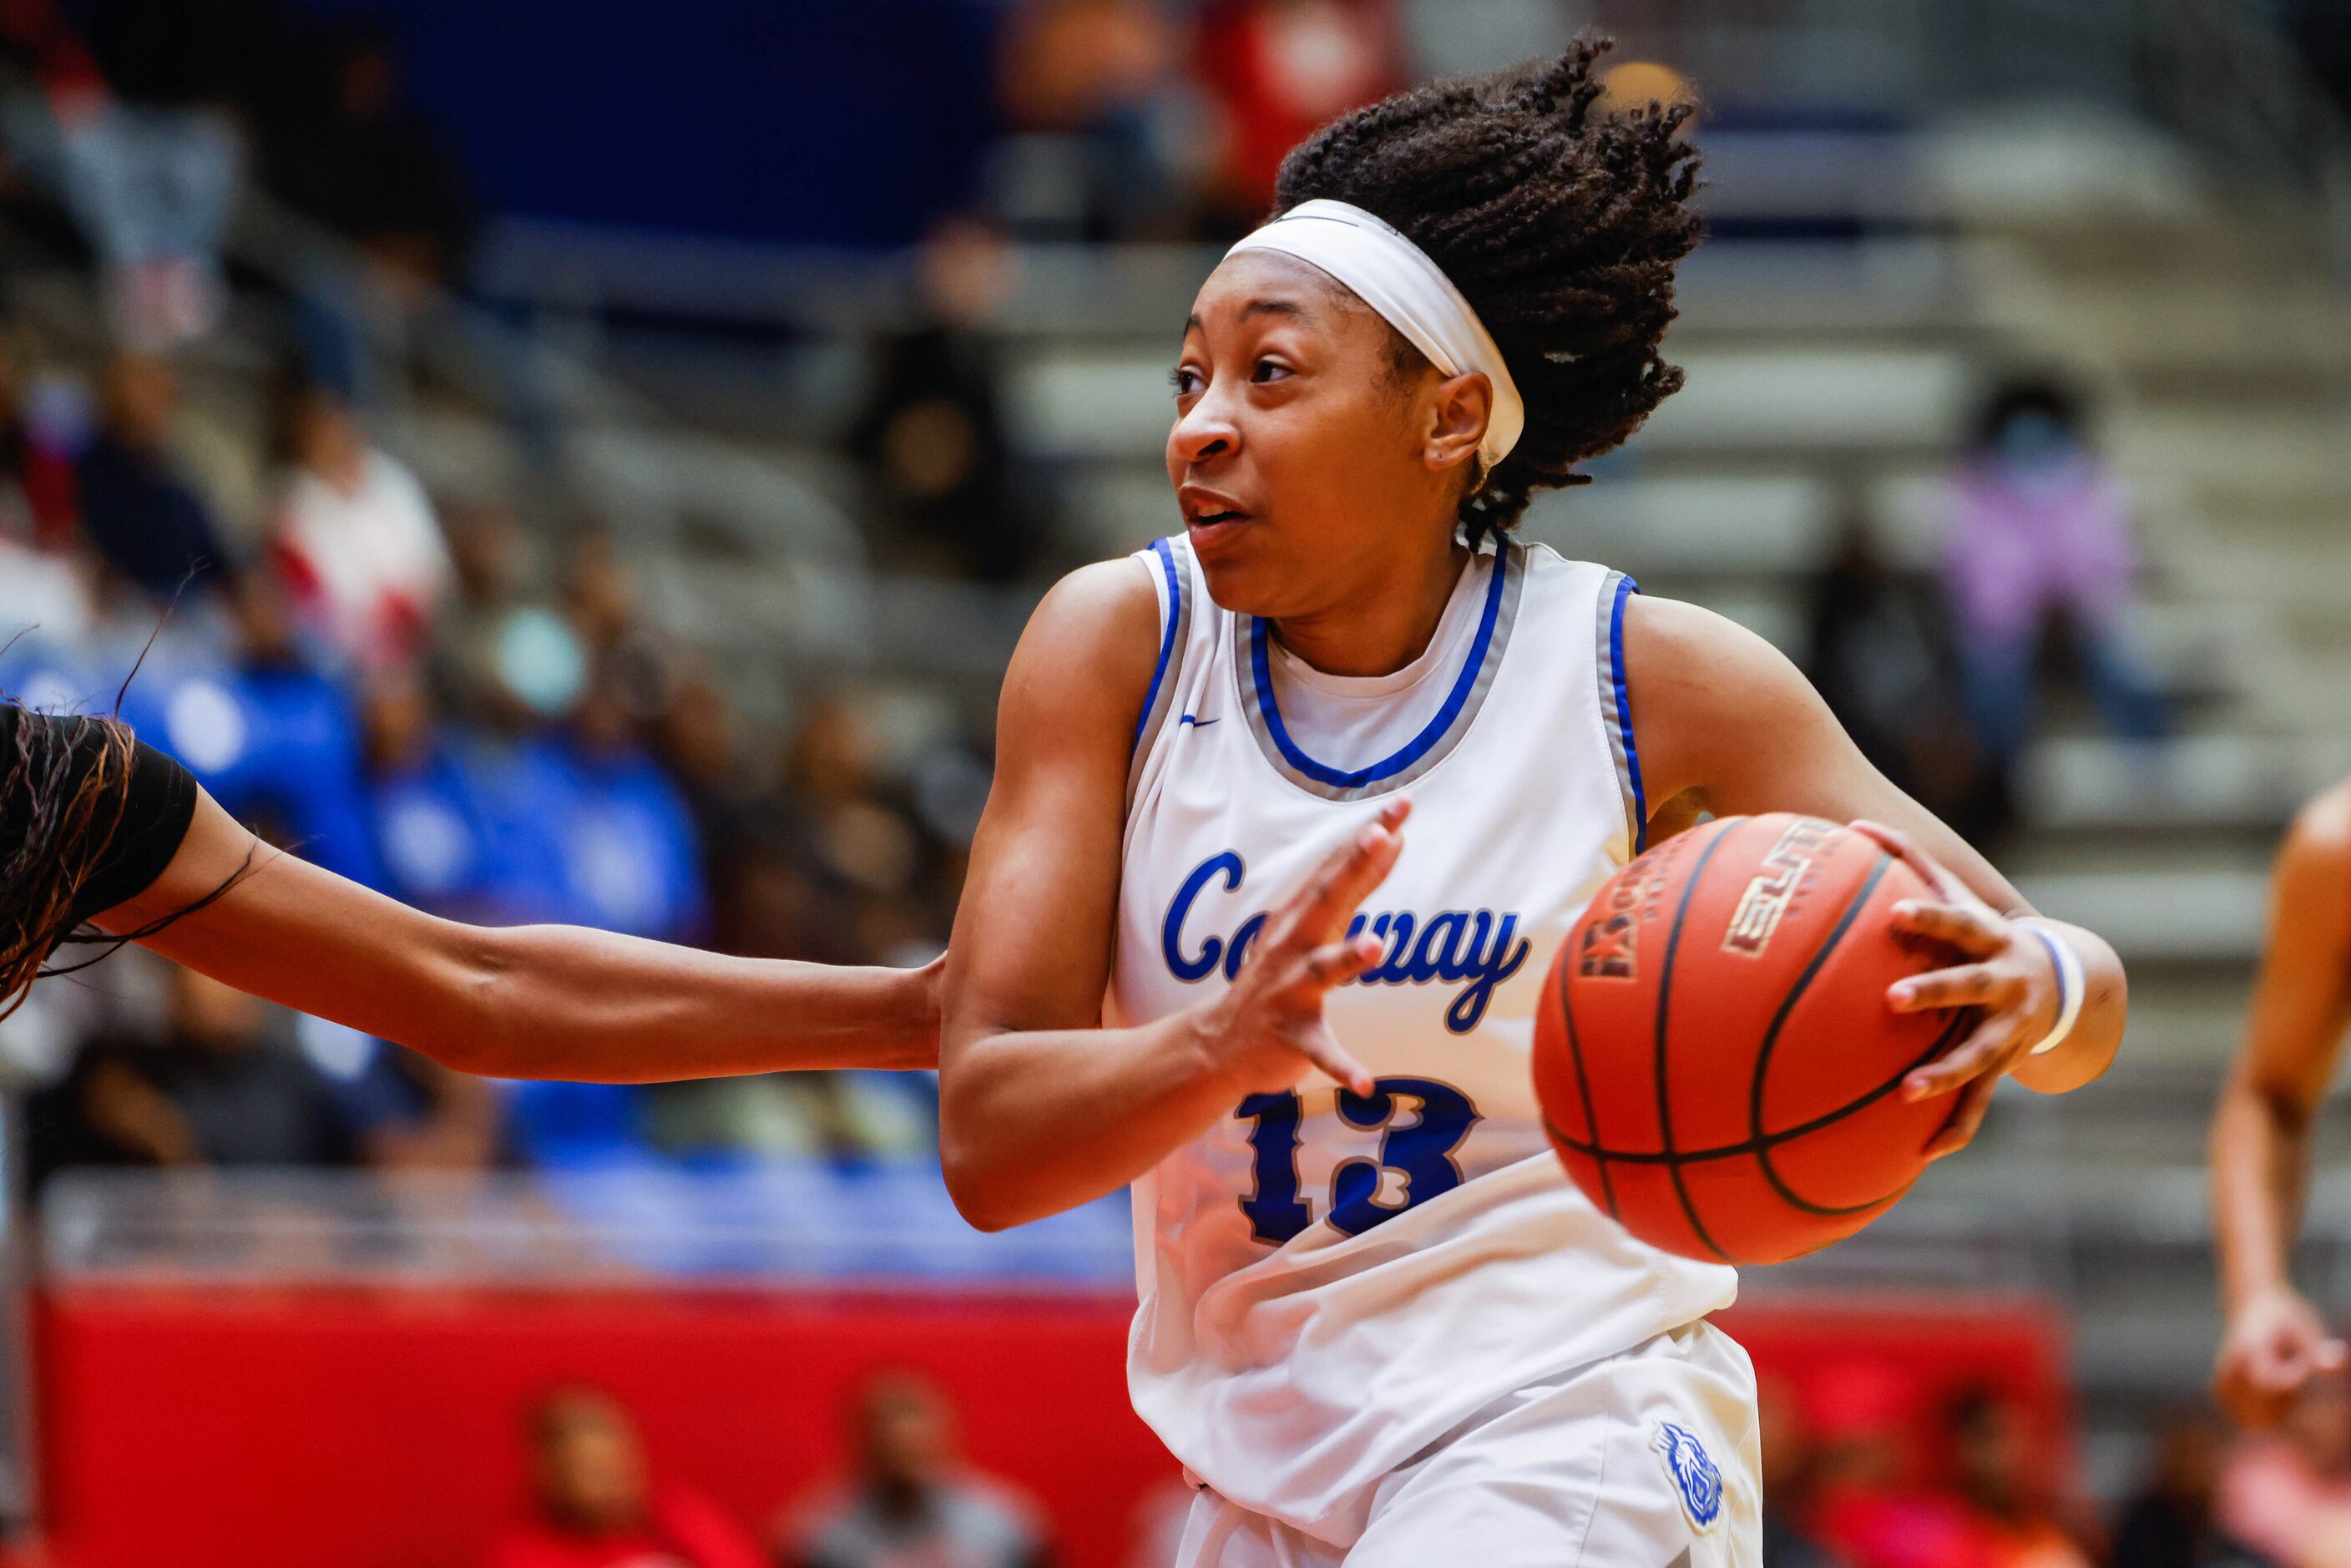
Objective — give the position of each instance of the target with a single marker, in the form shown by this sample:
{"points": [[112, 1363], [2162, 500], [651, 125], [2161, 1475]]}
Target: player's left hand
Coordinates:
{"points": [[2011, 981]]}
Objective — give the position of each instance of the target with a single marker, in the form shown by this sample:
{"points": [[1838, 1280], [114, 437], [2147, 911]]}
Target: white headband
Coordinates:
{"points": [[1395, 277]]}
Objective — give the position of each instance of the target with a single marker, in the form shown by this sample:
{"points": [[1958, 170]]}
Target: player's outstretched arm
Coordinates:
{"points": [[1721, 712], [2275, 1340], [531, 1001], [1041, 1108]]}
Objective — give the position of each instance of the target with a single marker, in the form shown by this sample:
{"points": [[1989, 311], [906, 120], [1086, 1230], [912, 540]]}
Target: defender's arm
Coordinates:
{"points": [[533, 1001], [2261, 1132]]}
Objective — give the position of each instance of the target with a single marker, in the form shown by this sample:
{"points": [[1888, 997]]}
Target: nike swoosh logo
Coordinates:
{"points": [[1197, 722]]}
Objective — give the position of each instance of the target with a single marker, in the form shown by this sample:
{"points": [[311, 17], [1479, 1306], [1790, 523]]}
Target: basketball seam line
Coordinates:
{"points": [[1768, 1140], [1820, 955], [1663, 1025], [1584, 1091]]}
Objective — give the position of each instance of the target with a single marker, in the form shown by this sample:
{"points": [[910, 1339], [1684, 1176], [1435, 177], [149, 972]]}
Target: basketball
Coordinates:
{"points": [[1716, 1061]]}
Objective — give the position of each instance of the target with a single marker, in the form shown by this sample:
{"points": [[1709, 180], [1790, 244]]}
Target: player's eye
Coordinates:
{"points": [[1185, 380], [1269, 371]]}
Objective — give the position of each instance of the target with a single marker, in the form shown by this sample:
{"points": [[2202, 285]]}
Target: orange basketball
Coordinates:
{"points": [[1717, 1060]]}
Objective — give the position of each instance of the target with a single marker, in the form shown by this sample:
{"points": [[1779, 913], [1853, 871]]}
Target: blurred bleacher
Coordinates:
{"points": [[1872, 271], [1832, 373]]}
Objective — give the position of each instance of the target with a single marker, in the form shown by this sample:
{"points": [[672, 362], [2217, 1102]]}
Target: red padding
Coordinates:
{"points": [[244, 1428]]}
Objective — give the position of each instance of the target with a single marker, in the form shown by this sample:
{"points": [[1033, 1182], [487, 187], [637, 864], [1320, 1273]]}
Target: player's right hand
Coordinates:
{"points": [[2274, 1345], [1267, 1028]]}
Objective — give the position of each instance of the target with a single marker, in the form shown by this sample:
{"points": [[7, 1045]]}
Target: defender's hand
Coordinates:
{"points": [[2274, 1345], [1268, 1028], [2011, 982]]}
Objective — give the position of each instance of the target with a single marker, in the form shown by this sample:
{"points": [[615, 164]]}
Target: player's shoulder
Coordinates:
{"points": [[1106, 613], [2310, 886], [1090, 645], [1102, 598], [1670, 644], [1707, 695], [2322, 828]]}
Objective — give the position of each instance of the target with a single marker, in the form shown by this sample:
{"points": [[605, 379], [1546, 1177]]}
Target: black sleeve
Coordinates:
{"points": [[160, 803]]}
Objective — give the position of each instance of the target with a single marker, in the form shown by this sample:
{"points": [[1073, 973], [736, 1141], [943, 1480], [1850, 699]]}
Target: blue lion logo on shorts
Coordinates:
{"points": [[1694, 1473]]}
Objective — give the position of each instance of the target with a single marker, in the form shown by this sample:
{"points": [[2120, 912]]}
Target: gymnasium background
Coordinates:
{"points": [[720, 382]]}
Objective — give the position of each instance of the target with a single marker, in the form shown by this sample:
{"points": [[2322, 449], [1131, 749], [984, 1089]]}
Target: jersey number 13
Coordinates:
{"points": [[1420, 1151]]}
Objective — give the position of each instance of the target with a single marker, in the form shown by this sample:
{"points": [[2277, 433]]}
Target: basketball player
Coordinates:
{"points": [[97, 827], [2275, 1341], [1378, 1324]]}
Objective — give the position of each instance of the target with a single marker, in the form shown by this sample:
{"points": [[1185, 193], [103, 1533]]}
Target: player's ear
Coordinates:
{"points": [[1459, 415]]}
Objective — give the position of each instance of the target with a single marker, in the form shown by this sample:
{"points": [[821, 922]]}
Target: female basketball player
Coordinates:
{"points": [[97, 827], [2276, 1341], [1377, 1322]]}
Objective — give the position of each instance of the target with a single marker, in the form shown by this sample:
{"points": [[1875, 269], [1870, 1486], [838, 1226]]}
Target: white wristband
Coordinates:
{"points": [[2071, 984]]}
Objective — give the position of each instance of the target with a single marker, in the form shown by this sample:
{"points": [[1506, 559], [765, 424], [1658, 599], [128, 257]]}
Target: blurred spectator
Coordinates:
{"points": [[2003, 1499], [1882, 659], [2172, 1523], [47, 587], [470, 819], [1105, 78], [626, 834], [912, 1500], [431, 827], [1635, 85], [853, 1122], [579, 824], [595, 1506], [932, 434], [1869, 1503], [138, 134], [2041, 535], [274, 739], [410, 1113], [600, 598], [366, 163], [1875, 1509], [737, 818], [1791, 1478], [217, 1090], [1278, 68], [2288, 1497], [36, 479], [356, 540], [769, 900], [866, 845], [139, 513]]}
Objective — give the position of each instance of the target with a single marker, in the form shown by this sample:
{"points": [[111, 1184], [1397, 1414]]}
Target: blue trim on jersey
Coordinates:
{"points": [[1413, 750], [1625, 589], [1167, 638]]}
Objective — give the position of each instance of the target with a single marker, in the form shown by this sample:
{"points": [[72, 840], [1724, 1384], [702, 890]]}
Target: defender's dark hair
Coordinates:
{"points": [[1560, 223], [68, 798]]}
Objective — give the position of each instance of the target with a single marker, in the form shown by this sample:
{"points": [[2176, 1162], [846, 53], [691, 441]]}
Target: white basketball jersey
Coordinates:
{"points": [[1329, 1284]]}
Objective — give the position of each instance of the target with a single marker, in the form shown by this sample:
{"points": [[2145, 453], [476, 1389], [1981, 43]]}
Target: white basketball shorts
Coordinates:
{"points": [[1647, 1459]]}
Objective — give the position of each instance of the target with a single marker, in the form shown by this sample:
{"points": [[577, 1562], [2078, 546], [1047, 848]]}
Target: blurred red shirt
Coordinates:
{"points": [[1929, 1531], [1278, 68], [684, 1530]]}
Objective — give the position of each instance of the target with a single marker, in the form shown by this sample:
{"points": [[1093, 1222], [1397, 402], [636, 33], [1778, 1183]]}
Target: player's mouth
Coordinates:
{"points": [[1210, 516]]}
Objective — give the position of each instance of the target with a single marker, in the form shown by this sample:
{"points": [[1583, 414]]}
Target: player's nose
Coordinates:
{"points": [[1205, 430]]}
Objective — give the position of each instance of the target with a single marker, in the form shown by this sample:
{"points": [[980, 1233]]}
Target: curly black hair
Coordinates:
{"points": [[1560, 222]]}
